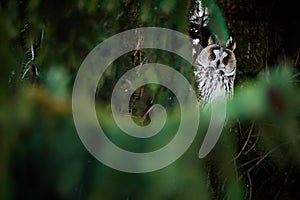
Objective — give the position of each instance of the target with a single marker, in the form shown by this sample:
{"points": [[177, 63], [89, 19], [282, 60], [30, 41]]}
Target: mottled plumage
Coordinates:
{"points": [[215, 65], [215, 70]]}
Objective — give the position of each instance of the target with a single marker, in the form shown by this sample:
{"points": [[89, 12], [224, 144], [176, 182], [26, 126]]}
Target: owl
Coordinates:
{"points": [[214, 64], [215, 71]]}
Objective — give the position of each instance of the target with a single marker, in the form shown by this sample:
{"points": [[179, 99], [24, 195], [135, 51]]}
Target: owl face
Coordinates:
{"points": [[222, 59], [215, 69]]}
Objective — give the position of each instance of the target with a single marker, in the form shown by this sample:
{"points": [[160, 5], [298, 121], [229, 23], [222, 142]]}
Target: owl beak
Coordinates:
{"points": [[218, 64], [221, 72]]}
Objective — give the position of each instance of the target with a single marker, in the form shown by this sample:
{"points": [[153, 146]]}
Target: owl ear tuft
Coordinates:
{"points": [[213, 39], [231, 44]]}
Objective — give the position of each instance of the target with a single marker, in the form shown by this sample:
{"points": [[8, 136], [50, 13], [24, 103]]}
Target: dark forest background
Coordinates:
{"points": [[42, 45]]}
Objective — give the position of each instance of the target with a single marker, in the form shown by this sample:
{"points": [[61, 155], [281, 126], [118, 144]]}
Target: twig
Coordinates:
{"points": [[246, 142], [284, 183], [148, 111], [250, 185], [263, 158], [247, 163], [266, 56], [241, 151], [295, 75], [297, 58], [254, 144], [266, 155]]}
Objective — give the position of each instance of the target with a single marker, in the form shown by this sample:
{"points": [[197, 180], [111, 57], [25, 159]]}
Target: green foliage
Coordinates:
{"points": [[41, 155], [217, 22]]}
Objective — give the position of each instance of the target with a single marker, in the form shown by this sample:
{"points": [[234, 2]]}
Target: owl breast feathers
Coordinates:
{"points": [[215, 70]]}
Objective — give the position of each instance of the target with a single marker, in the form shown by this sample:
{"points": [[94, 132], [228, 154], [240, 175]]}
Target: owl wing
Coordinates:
{"points": [[212, 85]]}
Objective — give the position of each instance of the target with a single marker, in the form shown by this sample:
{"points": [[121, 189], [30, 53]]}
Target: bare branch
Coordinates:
{"points": [[250, 185], [243, 148]]}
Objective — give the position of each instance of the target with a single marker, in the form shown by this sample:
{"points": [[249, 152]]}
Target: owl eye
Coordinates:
{"points": [[212, 57], [225, 61]]}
